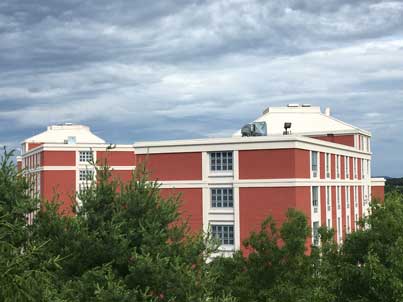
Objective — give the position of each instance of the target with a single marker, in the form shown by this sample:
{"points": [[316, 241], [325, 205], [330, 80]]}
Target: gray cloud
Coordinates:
{"points": [[136, 70]]}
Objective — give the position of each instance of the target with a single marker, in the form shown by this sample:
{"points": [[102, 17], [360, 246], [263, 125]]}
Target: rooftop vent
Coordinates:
{"points": [[306, 105], [293, 105], [254, 129], [327, 111]]}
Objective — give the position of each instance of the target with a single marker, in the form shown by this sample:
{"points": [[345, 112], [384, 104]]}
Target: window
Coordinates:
{"points": [[337, 166], [348, 224], [315, 233], [327, 165], [338, 193], [355, 168], [315, 197], [86, 175], [329, 224], [225, 233], [85, 156], [362, 168], [328, 196], [347, 197], [222, 198], [221, 161], [347, 167], [314, 163], [355, 196], [339, 229]]}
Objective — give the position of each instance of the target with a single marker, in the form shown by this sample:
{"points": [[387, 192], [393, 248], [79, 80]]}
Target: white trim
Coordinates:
{"points": [[256, 183], [74, 147], [246, 143], [378, 182]]}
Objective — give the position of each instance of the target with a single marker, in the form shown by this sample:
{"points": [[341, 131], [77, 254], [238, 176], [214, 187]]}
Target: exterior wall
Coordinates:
{"points": [[116, 158], [33, 145], [256, 204], [60, 185], [58, 158], [274, 164], [173, 166], [378, 192], [347, 140], [190, 206]]}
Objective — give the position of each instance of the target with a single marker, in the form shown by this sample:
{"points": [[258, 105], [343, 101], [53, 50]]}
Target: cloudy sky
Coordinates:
{"points": [[147, 70]]}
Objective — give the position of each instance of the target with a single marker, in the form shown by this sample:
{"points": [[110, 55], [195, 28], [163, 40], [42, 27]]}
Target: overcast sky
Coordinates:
{"points": [[148, 70]]}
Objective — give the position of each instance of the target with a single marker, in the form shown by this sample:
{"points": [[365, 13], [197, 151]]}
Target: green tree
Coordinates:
{"points": [[126, 243], [24, 270]]}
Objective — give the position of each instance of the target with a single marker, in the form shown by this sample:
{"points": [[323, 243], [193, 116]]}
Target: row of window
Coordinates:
{"points": [[315, 197], [365, 166]]}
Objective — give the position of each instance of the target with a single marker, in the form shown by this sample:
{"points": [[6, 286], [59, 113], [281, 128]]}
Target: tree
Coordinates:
{"points": [[24, 271], [126, 243]]}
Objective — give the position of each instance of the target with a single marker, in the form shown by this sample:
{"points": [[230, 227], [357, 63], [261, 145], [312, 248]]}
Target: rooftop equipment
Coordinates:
{"points": [[287, 126], [254, 129]]}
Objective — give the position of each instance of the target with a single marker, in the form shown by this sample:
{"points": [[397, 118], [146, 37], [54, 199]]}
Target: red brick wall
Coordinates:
{"points": [[269, 164], [347, 140], [173, 166], [342, 167], [117, 158], [58, 158], [378, 192], [256, 204], [191, 206], [322, 165], [343, 211], [61, 183], [333, 166], [33, 145]]}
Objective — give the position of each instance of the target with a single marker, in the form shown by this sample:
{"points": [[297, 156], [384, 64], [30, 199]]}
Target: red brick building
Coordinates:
{"points": [[321, 166]]}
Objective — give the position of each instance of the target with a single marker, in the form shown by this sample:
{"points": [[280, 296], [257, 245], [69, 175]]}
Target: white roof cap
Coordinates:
{"points": [[61, 133], [305, 119]]}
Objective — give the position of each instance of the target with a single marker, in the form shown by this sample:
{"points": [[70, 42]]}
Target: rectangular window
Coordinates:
{"points": [[339, 229], [337, 166], [85, 156], [328, 198], [314, 164], [327, 165], [315, 233], [86, 175], [222, 198], [329, 224], [347, 167], [362, 168], [355, 168], [355, 196], [347, 197], [221, 161], [348, 224], [315, 198], [225, 233], [338, 199]]}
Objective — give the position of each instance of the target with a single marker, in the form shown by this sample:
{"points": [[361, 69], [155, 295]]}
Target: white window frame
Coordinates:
{"points": [[328, 165], [338, 197], [222, 192], [315, 233], [315, 201], [85, 156], [222, 238], [315, 173], [338, 167], [229, 165], [328, 198]]}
